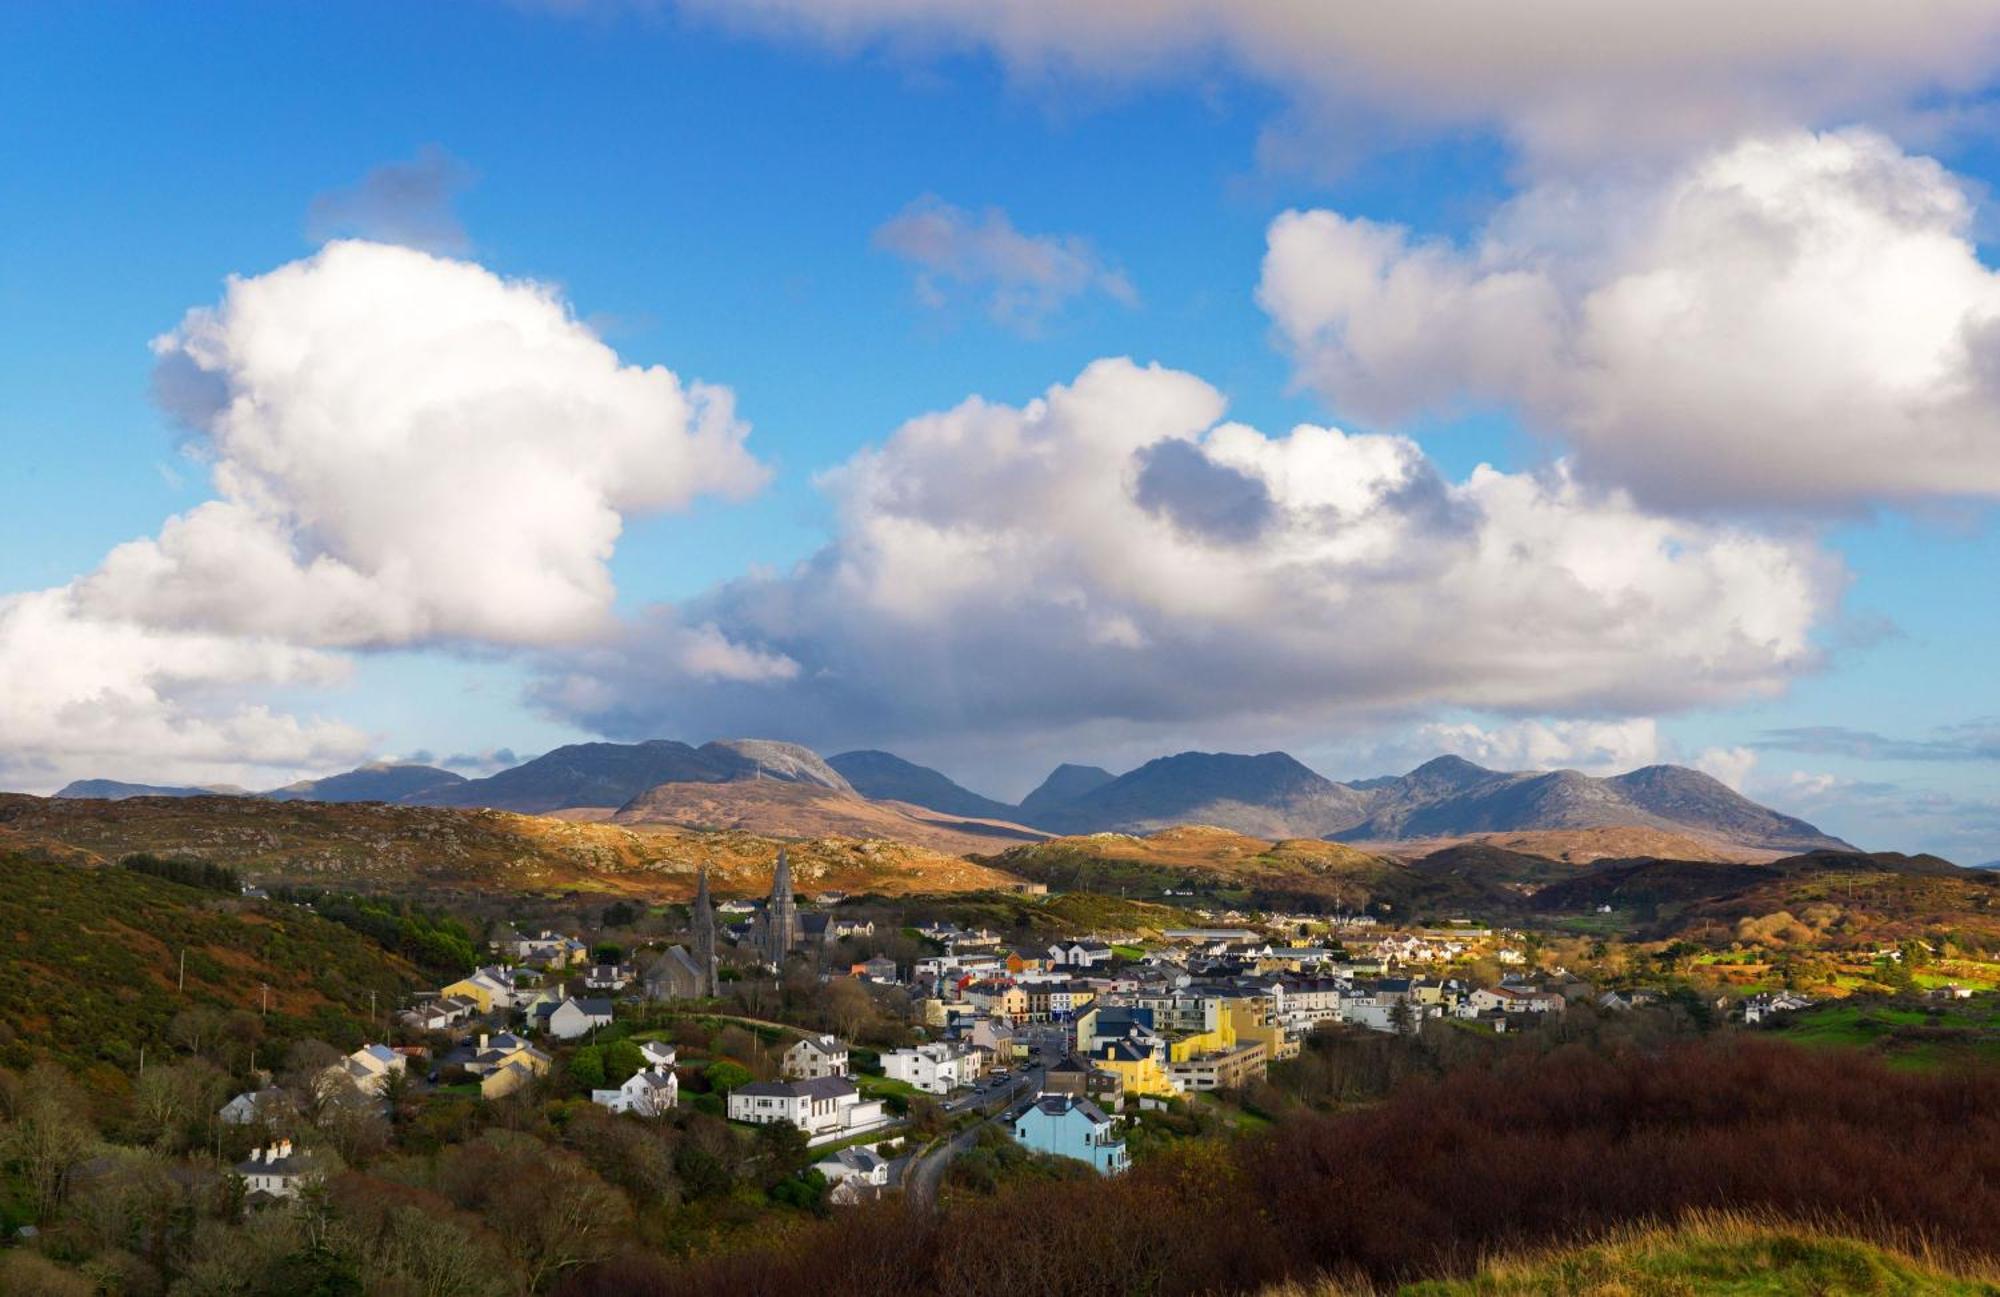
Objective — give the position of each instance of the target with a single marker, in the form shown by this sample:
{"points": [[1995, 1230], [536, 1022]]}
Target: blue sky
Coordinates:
{"points": [[709, 200]]}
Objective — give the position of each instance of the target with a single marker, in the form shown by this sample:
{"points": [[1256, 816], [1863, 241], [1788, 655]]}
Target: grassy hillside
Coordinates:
{"points": [[432, 850], [1908, 1034], [1728, 1256], [90, 961]]}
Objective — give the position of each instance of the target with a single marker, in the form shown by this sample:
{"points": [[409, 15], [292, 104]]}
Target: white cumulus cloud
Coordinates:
{"points": [[405, 450], [1796, 321], [409, 449], [1114, 552], [85, 696], [1594, 747]]}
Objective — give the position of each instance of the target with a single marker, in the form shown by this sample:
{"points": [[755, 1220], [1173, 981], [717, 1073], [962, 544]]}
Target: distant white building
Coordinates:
{"points": [[573, 1018], [935, 1069], [652, 1092], [816, 1056], [823, 1107]]}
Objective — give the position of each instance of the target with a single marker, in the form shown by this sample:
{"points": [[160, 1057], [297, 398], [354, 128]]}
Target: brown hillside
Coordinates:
{"points": [[794, 810], [1588, 846], [1203, 856], [418, 848]]}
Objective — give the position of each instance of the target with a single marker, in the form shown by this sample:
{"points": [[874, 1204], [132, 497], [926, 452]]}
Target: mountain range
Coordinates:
{"points": [[1269, 795]]}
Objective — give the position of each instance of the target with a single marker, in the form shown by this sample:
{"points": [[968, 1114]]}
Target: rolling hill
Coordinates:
{"points": [[114, 790], [378, 781], [1864, 898], [428, 851]]}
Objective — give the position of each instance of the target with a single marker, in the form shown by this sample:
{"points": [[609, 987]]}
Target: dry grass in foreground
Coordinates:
{"points": [[1730, 1254]]}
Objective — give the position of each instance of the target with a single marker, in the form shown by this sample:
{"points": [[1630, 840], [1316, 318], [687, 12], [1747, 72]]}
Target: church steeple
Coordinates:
{"points": [[781, 914], [704, 936]]}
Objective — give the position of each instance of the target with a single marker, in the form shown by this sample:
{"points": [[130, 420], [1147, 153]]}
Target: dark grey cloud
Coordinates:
{"points": [[1975, 740], [1179, 482], [411, 203]]}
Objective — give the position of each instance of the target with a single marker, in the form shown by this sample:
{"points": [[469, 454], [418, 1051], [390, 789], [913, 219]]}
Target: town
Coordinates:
{"points": [[943, 1037]]}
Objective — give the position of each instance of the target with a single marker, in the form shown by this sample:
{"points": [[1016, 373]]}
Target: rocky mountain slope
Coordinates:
{"points": [[1273, 795], [1269, 795], [794, 810], [884, 776], [1066, 783], [612, 774]]}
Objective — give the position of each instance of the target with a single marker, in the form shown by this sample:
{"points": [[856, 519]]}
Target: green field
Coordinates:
{"points": [[1904, 1033]]}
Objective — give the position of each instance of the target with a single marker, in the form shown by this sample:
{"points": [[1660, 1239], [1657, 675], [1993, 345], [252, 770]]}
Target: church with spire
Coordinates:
{"points": [[777, 932], [689, 972]]}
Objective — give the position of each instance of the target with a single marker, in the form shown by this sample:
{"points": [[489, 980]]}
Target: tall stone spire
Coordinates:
{"points": [[704, 937], [781, 914]]}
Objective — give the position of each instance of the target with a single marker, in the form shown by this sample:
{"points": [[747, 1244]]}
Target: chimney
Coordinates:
{"points": [[482, 1042], [257, 1153]]}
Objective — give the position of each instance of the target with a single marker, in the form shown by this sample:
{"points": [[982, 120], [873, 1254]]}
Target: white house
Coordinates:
{"points": [[648, 1093], [935, 1069], [573, 1017], [1759, 1007], [1514, 999], [825, 1106], [1080, 954], [658, 1053], [816, 1056], [278, 1171]]}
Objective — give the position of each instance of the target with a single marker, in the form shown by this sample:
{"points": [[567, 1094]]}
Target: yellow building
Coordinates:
{"points": [[482, 988], [507, 1069], [1138, 1069]]}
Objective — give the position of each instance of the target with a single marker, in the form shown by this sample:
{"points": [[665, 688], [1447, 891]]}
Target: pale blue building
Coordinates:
{"points": [[1066, 1126]]}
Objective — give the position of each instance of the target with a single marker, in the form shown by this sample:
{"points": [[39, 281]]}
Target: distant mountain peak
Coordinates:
{"points": [[884, 776], [1451, 766]]}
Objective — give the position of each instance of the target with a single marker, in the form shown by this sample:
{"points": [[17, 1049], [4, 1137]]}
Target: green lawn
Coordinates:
{"points": [[880, 1087], [1903, 1034]]}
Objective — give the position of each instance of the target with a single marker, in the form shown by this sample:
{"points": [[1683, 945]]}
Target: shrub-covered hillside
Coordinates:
{"points": [[90, 960]]}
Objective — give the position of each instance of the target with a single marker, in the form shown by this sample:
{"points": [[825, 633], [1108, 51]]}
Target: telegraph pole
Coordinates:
{"points": [[184, 970]]}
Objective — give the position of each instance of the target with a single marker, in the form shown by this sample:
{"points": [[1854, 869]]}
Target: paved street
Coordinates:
{"points": [[925, 1174]]}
